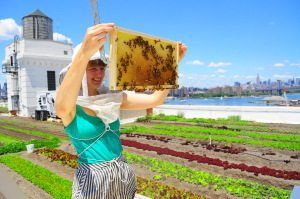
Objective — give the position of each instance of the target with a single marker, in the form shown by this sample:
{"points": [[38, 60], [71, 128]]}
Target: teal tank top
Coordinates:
{"points": [[94, 142]]}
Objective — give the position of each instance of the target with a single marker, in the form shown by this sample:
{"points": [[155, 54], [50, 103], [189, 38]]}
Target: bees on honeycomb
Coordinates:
{"points": [[141, 62]]}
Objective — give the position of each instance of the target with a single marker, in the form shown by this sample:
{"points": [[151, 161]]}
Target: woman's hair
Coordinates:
{"points": [[98, 62], [64, 71], [91, 62]]}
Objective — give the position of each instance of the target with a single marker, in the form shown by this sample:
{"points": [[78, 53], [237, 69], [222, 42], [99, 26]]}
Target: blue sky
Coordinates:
{"points": [[228, 40]]}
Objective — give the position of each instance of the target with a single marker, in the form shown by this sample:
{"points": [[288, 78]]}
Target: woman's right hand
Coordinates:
{"points": [[95, 38]]}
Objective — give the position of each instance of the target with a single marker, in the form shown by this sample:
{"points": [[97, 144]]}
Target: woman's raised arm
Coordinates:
{"points": [[67, 93]]}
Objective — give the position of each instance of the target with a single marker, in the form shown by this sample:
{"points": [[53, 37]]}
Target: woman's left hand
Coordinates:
{"points": [[182, 50]]}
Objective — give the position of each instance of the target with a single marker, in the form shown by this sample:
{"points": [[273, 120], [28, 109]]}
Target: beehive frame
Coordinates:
{"points": [[142, 62]]}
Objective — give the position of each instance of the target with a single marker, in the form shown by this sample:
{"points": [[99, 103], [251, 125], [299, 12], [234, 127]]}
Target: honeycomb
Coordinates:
{"points": [[142, 62]]}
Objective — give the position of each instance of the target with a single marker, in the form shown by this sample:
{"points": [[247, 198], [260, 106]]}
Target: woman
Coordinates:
{"points": [[102, 172]]}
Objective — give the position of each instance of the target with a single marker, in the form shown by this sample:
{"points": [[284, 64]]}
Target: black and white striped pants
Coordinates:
{"points": [[112, 180]]}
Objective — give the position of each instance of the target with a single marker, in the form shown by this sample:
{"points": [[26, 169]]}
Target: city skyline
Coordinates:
{"points": [[226, 41], [294, 81]]}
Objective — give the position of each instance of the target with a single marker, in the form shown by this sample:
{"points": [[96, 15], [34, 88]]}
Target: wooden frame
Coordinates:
{"points": [[142, 62]]}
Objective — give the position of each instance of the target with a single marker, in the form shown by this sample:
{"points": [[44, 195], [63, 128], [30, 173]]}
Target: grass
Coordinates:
{"points": [[233, 122], [29, 132], [214, 131], [221, 138], [236, 120], [50, 182], [59, 187], [21, 146], [3, 109], [13, 145], [237, 187], [5, 139]]}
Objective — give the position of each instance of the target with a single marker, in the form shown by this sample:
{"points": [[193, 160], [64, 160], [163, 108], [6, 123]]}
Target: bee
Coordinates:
{"points": [[140, 89], [155, 41], [125, 84], [120, 74], [162, 47], [144, 88], [164, 69], [132, 85], [170, 81], [156, 72], [131, 88], [170, 48]]}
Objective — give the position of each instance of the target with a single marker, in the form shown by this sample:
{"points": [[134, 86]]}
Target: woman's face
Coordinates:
{"points": [[94, 74]]}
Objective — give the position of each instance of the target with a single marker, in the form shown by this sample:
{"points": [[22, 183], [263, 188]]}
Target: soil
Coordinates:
{"points": [[281, 154], [21, 136], [208, 192], [61, 170], [273, 127], [54, 128], [217, 170], [253, 156], [30, 191]]}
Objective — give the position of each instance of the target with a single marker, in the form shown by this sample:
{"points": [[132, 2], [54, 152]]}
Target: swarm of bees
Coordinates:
{"points": [[141, 62]]}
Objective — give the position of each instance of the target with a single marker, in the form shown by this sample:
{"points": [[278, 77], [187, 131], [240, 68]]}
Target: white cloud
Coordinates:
{"points": [[260, 68], [61, 38], [195, 62], [205, 80], [236, 76], [220, 71], [180, 75], [8, 29], [278, 65], [283, 76], [219, 64], [250, 77], [295, 64]]}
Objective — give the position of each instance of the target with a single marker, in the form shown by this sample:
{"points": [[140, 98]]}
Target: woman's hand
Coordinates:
{"points": [[182, 51], [95, 38]]}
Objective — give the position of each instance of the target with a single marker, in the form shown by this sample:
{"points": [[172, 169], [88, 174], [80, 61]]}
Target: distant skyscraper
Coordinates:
{"points": [[279, 87], [291, 82], [237, 84], [257, 80], [297, 81]]}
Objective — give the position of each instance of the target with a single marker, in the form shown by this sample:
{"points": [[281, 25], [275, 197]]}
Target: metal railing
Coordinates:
{"points": [[7, 68]]}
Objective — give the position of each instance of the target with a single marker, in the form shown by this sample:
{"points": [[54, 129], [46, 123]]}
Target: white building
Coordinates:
{"points": [[32, 63]]}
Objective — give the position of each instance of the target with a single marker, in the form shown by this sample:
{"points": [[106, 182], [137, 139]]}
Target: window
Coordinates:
{"points": [[11, 61], [51, 80], [65, 52], [15, 102]]}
